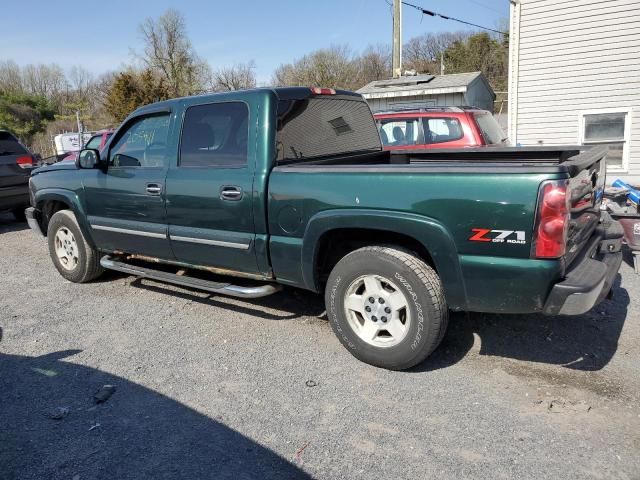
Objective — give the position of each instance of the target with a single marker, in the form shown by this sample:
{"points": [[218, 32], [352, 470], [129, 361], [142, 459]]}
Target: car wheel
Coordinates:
{"points": [[386, 306], [19, 215], [72, 256]]}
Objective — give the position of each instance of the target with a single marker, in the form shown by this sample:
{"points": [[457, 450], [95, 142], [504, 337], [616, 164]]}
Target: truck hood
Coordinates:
{"points": [[55, 167]]}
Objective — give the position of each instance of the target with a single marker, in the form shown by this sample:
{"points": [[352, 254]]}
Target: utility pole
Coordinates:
{"points": [[397, 38], [80, 128]]}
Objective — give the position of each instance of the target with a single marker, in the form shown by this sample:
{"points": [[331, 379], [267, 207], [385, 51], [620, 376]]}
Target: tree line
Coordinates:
{"points": [[37, 101]]}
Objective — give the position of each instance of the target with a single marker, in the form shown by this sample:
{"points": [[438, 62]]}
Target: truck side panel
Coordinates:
{"points": [[498, 209]]}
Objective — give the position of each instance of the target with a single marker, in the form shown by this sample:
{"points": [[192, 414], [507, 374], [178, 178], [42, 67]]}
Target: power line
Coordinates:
{"points": [[446, 17], [485, 6]]}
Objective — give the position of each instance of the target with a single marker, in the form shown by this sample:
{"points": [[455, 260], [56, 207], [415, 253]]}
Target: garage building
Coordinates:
{"points": [[417, 91]]}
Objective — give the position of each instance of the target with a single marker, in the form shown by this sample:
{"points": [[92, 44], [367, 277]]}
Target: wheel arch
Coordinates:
{"points": [[332, 234], [51, 200]]}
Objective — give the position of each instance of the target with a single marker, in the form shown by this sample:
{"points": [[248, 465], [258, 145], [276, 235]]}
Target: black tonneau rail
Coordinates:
{"points": [[573, 159]]}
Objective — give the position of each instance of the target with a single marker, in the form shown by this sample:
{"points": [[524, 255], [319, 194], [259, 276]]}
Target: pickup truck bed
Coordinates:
{"points": [[291, 186]]}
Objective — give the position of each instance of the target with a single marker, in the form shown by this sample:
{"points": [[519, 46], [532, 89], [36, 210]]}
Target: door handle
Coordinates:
{"points": [[230, 193], [154, 188]]}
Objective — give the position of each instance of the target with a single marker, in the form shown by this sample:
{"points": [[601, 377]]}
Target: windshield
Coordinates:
{"points": [[491, 131], [94, 142]]}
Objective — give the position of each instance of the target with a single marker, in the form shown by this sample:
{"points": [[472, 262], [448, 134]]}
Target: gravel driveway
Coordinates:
{"points": [[211, 387]]}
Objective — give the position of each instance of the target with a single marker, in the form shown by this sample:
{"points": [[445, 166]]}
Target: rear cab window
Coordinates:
{"points": [[9, 145], [321, 127], [490, 129]]}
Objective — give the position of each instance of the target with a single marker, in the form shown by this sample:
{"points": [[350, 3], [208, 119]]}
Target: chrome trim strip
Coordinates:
{"points": [[129, 232], [217, 243]]}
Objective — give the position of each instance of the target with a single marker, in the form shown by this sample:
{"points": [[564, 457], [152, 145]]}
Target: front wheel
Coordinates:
{"points": [[73, 257], [386, 306]]}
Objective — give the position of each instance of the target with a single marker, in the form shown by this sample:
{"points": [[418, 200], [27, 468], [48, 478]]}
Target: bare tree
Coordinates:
{"points": [[168, 52], [11, 77], [237, 77], [423, 53], [333, 67], [44, 80], [81, 79], [374, 64]]}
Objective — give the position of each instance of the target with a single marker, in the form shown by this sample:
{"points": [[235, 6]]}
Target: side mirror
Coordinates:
{"points": [[88, 158]]}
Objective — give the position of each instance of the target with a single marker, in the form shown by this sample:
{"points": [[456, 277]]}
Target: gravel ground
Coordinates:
{"points": [[213, 387]]}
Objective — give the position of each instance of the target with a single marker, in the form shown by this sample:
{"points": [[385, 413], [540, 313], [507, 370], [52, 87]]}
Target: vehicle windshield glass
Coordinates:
{"points": [[94, 142], [491, 131], [397, 132], [9, 145], [324, 127]]}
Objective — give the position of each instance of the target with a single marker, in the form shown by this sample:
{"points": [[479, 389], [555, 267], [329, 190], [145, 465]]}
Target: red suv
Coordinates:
{"points": [[439, 127]]}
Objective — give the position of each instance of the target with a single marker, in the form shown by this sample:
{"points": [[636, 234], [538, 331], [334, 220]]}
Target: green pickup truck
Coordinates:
{"points": [[290, 186]]}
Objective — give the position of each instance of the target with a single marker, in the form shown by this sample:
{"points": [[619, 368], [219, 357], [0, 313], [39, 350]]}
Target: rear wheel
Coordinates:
{"points": [[72, 256], [386, 306]]}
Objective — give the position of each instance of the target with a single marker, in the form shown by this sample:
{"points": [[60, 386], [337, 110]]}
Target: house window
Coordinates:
{"points": [[608, 127]]}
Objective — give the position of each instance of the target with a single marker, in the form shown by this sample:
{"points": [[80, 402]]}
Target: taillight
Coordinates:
{"points": [[552, 222], [323, 91], [25, 161]]}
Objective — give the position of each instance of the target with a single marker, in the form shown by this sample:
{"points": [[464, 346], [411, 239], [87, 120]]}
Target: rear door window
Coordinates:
{"points": [[215, 135], [9, 145], [442, 130], [324, 127], [399, 132]]}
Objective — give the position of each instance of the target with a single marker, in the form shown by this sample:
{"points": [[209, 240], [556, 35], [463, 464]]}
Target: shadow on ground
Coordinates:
{"points": [[10, 224], [290, 304], [584, 342], [136, 434]]}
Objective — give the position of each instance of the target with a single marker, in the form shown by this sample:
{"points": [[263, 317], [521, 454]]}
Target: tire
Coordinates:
{"points": [[66, 241], [19, 215], [408, 316]]}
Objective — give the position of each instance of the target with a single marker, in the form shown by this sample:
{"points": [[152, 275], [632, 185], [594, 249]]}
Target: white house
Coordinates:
{"points": [[575, 77], [415, 91]]}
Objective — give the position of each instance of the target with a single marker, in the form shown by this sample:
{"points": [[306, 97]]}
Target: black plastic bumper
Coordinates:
{"points": [[33, 220], [590, 278]]}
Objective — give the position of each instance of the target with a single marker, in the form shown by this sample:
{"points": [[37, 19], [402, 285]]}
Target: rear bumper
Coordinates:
{"points": [[33, 219], [590, 278]]}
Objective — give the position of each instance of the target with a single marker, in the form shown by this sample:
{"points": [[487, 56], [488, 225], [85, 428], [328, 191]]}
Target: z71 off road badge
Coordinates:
{"points": [[498, 236]]}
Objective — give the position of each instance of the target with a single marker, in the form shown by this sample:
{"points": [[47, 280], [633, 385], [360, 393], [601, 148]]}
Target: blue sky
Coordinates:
{"points": [[100, 37]]}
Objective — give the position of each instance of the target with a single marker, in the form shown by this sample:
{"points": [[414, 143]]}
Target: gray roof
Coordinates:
{"points": [[422, 85]]}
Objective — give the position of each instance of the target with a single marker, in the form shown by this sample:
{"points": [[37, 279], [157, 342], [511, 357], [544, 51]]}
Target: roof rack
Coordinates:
{"points": [[452, 108]]}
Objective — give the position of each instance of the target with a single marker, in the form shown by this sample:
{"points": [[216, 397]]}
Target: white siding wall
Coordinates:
{"points": [[569, 56]]}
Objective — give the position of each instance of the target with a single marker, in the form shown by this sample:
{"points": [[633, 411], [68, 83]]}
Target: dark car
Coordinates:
{"points": [[15, 169]]}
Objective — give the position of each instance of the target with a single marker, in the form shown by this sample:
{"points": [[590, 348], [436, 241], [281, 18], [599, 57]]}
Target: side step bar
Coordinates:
{"points": [[197, 283]]}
